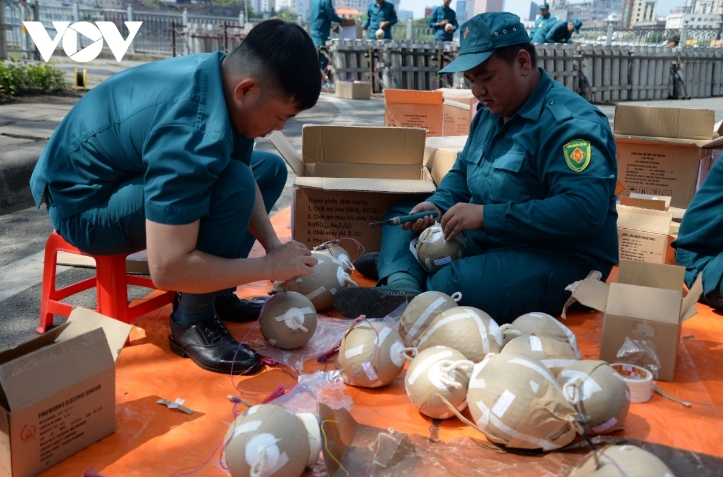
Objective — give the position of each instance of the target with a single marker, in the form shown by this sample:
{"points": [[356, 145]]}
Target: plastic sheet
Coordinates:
{"points": [[320, 387], [327, 335], [640, 353]]}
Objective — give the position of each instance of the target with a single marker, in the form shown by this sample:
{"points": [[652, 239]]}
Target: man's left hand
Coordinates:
{"points": [[383, 24], [461, 217]]}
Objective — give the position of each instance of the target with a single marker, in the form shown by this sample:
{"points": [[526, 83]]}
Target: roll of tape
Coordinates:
{"points": [[639, 381], [314, 433]]}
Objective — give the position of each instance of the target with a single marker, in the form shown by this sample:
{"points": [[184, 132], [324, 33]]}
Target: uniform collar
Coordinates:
{"points": [[533, 106]]}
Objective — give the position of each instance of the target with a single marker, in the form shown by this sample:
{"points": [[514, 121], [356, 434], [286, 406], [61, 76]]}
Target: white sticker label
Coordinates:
{"points": [[534, 386], [535, 343], [316, 293], [355, 351], [442, 261], [605, 426], [477, 384], [246, 427], [369, 369], [382, 336], [503, 403]]}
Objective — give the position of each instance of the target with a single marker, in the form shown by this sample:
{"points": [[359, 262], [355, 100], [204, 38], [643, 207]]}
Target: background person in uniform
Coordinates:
{"points": [[699, 247], [161, 157], [542, 20], [560, 31], [533, 191], [444, 22], [380, 14], [322, 14]]}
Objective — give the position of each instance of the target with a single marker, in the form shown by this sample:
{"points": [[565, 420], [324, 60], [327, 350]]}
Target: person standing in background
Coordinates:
{"points": [[381, 15], [444, 22]]}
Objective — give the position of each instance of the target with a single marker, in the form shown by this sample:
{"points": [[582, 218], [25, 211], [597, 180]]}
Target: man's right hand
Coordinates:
{"points": [[444, 22], [290, 260], [421, 224]]}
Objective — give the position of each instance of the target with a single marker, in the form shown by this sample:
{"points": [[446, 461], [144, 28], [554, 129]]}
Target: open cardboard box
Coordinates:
{"points": [[646, 303], [460, 106], [414, 109], [347, 177], [57, 392], [646, 229], [664, 151], [440, 154]]}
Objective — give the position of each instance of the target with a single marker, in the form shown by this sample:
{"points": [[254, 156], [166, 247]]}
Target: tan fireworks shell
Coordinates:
{"points": [[434, 252], [599, 394], [288, 320], [321, 286], [371, 354], [540, 324], [269, 440], [516, 402], [337, 252], [435, 372], [554, 354], [469, 330], [626, 460], [420, 312]]}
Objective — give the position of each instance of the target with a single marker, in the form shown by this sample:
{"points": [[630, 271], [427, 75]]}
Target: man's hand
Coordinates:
{"points": [[383, 25], [443, 22], [421, 224], [290, 260], [462, 217]]}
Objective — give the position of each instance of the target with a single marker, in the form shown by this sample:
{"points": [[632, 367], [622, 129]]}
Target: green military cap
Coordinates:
{"points": [[482, 35], [576, 24], [545, 6]]}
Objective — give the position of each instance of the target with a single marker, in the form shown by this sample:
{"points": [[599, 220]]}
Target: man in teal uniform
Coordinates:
{"points": [[699, 247], [322, 14], [380, 14], [440, 18], [541, 22], [533, 191], [559, 32], [161, 157]]}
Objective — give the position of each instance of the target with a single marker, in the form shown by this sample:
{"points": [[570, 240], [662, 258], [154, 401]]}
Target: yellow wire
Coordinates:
{"points": [[326, 446]]}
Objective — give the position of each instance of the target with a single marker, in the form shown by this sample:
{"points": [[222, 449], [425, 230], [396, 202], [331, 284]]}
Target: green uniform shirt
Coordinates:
{"points": [[440, 13], [376, 15], [556, 32], [540, 26], [166, 121], [700, 238], [322, 14], [546, 178]]}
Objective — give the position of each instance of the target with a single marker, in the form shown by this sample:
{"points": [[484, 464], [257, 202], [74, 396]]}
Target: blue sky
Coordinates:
{"points": [[519, 7]]}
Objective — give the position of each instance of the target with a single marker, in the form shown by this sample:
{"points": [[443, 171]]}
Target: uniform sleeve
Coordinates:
{"points": [[331, 13], [182, 164], [454, 21], [550, 34], [578, 203], [393, 17], [433, 20], [369, 16]]}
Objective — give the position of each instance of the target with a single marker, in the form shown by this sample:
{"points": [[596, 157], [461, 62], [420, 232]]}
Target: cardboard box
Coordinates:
{"points": [[663, 151], [643, 234], [646, 303], [353, 90], [347, 177], [440, 154], [460, 106], [57, 392], [414, 109]]}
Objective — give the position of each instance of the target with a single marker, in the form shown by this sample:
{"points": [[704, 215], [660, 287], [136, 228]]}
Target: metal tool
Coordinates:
{"points": [[405, 218]]}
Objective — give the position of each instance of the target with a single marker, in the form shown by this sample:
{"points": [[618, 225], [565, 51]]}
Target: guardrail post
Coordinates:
{"points": [[409, 29], [3, 35], [184, 22], [76, 13], [609, 37], [129, 14], [683, 34]]}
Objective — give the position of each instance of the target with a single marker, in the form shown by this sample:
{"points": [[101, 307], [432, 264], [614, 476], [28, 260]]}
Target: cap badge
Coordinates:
{"points": [[466, 33]]}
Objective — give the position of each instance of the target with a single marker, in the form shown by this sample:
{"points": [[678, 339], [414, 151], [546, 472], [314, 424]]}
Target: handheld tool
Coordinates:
{"points": [[405, 218]]}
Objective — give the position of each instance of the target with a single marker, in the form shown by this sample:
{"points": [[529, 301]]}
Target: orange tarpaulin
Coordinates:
{"points": [[151, 439]]}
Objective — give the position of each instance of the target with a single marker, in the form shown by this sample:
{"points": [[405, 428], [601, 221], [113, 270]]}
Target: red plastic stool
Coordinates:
{"points": [[111, 282]]}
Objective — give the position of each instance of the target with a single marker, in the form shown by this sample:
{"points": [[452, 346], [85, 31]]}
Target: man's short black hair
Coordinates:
{"points": [[281, 55], [509, 53]]}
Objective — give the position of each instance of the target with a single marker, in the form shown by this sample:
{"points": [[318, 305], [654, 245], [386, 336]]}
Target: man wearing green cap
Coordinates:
{"points": [[541, 22], [533, 191], [560, 31]]}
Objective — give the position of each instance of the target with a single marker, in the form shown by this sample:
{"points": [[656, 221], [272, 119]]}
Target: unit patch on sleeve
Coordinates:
{"points": [[577, 154]]}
